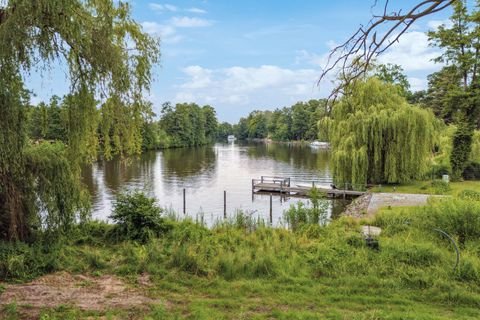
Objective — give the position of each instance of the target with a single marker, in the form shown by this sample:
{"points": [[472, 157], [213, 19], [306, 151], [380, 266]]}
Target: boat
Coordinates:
{"points": [[231, 138], [320, 144]]}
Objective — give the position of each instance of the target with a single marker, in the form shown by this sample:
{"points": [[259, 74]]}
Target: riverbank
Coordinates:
{"points": [[243, 271], [408, 195]]}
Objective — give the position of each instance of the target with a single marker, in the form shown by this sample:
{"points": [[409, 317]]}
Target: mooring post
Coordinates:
{"points": [[271, 214], [225, 204], [313, 184], [184, 202]]}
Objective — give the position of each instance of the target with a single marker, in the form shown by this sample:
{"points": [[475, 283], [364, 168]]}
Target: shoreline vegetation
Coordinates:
{"points": [[56, 263], [165, 268]]}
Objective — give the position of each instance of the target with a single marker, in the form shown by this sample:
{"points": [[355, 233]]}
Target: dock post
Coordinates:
{"points": [[271, 215], [225, 204], [184, 202], [313, 184], [281, 186]]}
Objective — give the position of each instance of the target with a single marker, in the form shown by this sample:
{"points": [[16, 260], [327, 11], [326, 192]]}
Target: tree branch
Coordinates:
{"points": [[355, 55]]}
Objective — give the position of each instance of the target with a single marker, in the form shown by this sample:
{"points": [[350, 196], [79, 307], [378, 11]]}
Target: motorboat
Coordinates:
{"points": [[320, 144]]}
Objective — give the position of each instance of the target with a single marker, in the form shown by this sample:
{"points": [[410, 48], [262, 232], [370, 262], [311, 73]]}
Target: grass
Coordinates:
{"points": [[425, 187], [316, 272]]}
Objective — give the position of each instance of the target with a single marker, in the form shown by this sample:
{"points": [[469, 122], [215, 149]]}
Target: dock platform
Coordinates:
{"points": [[282, 185]]}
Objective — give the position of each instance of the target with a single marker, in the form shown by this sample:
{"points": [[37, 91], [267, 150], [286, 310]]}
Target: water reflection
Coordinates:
{"points": [[205, 172], [184, 164], [299, 156]]}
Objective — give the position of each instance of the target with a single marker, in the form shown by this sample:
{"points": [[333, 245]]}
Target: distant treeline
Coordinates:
{"points": [[180, 125], [298, 122]]}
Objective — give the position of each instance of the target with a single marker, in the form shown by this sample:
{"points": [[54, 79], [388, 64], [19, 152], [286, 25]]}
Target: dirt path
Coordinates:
{"points": [[84, 292], [370, 203], [383, 200]]}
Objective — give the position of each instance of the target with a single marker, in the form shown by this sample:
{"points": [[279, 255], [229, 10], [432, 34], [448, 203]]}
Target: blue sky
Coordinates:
{"points": [[239, 56]]}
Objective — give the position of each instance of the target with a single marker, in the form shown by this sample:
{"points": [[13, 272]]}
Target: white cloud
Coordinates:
{"points": [[265, 86], [434, 24], [196, 10], [188, 22], [412, 52], [199, 77], [162, 7], [166, 33], [417, 84]]}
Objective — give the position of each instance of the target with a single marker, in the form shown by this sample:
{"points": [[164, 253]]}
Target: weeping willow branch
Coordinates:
{"points": [[353, 57]]}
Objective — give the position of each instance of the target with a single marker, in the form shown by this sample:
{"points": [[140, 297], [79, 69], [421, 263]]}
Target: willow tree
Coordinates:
{"points": [[108, 57], [377, 137]]}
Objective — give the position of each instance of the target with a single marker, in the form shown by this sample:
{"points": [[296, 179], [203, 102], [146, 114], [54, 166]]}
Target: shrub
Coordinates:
{"points": [[459, 218], [469, 195], [299, 215], [20, 261], [440, 187], [472, 171], [137, 217]]}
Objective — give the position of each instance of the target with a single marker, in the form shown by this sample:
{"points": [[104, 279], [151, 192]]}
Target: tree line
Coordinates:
{"points": [[180, 125], [298, 122]]}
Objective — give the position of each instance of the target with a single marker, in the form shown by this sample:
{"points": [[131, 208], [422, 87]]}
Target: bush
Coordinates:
{"points": [[440, 187], [472, 171], [470, 195], [137, 217], [438, 170], [20, 261], [459, 218], [299, 215]]}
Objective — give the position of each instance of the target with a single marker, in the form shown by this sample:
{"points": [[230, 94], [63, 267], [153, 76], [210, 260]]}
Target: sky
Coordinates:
{"points": [[240, 56]]}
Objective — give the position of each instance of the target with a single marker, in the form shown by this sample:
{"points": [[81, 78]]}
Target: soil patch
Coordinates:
{"points": [[84, 292]]}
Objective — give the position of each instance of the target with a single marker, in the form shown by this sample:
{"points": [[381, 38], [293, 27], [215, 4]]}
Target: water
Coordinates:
{"points": [[205, 172]]}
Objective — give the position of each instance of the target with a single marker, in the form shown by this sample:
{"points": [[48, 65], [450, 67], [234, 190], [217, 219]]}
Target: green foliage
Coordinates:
{"points": [[188, 125], [137, 217], [462, 145], [298, 122], [472, 171], [453, 91], [224, 130], [440, 187], [20, 261], [93, 45], [469, 195], [377, 137], [393, 74], [299, 216]]}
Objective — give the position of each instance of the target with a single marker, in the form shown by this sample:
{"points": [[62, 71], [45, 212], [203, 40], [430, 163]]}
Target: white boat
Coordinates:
{"points": [[320, 144], [231, 138]]}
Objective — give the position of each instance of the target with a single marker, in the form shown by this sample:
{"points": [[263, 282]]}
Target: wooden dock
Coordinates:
{"points": [[282, 185]]}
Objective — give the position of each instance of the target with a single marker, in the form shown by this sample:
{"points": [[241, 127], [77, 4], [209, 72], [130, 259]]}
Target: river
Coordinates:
{"points": [[205, 173]]}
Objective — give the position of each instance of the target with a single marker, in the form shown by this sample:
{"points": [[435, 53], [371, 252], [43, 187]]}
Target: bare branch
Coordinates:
{"points": [[354, 56]]}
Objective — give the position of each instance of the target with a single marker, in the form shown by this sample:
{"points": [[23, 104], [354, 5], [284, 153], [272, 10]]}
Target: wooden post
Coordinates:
{"points": [[281, 186], [271, 215], [261, 179], [313, 184], [225, 204], [184, 202]]}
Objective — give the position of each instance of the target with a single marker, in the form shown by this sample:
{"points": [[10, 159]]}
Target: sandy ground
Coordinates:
{"points": [[85, 292]]}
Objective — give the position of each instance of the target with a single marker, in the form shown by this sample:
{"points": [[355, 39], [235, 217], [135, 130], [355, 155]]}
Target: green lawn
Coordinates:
{"points": [[425, 187], [234, 272]]}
